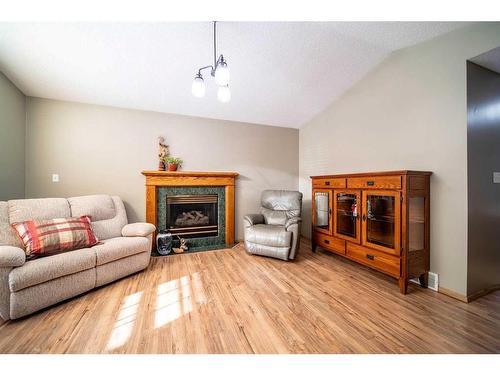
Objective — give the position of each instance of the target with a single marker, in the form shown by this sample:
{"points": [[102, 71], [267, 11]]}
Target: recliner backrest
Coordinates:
{"points": [[280, 205]]}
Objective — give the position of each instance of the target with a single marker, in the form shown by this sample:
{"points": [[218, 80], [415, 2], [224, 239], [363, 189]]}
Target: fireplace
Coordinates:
{"points": [[192, 215], [195, 206]]}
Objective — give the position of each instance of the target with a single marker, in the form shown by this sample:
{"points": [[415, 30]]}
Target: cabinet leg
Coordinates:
{"points": [[403, 285], [313, 247], [424, 280]]}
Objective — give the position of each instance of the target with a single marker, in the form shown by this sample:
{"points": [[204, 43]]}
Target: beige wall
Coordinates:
{"points": [[409, 113], [97, 149], [12, 133]]}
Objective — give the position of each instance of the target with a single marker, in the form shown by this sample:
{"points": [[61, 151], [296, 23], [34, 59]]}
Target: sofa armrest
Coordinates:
{"points": [[11, 256], [138, 230], [292, 221], [252, 219]]}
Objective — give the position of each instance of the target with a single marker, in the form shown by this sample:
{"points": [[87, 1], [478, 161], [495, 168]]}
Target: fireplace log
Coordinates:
{"points": [[191, 218]]}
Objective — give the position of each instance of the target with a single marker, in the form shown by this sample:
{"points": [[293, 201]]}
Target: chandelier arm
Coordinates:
{"points": [[206, 67]]}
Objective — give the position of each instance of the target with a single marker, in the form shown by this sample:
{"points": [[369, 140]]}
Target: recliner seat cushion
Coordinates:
{"points": [[268, 235], [40, 270], [120, 247]]}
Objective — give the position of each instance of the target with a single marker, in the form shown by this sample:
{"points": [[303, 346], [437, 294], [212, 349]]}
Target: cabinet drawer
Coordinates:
{"points": [[330, 243], [329, 182], [375, 259], [379, 182]]}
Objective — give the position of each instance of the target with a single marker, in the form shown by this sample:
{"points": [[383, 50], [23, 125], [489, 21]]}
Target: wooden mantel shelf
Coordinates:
{"points": [[156, 179], [189, 174]]}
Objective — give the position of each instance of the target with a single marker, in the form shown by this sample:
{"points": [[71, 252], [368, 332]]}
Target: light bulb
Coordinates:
{"points": [[222, 74], [198, 87], [224, 94]]}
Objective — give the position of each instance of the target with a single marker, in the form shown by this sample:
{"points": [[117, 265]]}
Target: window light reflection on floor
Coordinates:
{"points": [[174, 298], [125, 321]]}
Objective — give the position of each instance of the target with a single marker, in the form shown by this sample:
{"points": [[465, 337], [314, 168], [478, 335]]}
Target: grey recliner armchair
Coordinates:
{"points": [[275, 232]]}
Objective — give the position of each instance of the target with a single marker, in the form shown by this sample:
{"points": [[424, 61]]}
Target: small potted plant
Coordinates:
{"points": [[173, 163]]}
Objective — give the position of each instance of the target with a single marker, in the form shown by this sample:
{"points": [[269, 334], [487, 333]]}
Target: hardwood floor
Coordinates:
{"points": [[227, 301]]}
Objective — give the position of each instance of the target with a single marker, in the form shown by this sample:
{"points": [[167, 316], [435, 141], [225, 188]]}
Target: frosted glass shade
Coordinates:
{"points": [[198, 87], [224, 94], [222, 74]]}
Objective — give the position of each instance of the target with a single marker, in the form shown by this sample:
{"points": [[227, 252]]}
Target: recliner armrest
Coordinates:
{"points": [[292, 221], [138, 230], [252, 219], [11, 256]]}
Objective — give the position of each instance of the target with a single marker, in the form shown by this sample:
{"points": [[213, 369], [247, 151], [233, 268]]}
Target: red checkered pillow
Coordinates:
{"points": [[49, 237]]}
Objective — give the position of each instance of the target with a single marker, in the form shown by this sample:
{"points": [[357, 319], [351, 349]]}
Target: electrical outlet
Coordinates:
{"points": [[55, 178], [496, 177]]}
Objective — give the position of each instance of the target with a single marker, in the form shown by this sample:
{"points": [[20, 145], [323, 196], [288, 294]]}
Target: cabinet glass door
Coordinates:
{"points": [[381, 220], [322, 218], [346, 211]]}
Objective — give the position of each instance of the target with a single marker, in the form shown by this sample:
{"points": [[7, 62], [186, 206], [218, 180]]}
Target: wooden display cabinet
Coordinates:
{"points": [[377, 219]]}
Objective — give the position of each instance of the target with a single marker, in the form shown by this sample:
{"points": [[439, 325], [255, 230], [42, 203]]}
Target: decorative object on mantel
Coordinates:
{"points": [[172, 163], [164, 242], [162, 153], [219, 71], [170, 194]]}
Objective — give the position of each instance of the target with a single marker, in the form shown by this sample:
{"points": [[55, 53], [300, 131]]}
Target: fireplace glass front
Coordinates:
{"points": [[192, 216]]}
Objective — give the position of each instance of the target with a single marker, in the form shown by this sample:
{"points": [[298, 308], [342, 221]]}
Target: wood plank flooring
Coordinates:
{"points": [[227, 301]]}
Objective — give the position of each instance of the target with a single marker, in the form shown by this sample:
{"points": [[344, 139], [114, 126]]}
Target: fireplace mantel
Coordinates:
{"points": [[156, 179]]}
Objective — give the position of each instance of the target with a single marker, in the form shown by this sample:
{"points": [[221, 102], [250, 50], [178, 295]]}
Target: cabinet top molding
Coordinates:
{"points": [[387, 173]]}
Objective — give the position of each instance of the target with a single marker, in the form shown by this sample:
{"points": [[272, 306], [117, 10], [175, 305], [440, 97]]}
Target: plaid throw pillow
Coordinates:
{"points": [[49, 237]]}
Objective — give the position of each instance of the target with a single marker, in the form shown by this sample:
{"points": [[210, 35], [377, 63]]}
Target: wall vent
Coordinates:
{"points": [[433, 281]]}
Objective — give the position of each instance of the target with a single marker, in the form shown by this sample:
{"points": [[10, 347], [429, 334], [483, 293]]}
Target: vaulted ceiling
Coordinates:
{"points": [[282, 73]]}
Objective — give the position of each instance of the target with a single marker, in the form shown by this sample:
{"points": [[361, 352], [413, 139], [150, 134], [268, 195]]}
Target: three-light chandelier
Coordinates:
{"points": [[219, 71]]}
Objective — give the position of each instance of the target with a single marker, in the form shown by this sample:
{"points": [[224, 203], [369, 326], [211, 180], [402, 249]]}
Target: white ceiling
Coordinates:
{"points": [[282, 73], [489, 60]]}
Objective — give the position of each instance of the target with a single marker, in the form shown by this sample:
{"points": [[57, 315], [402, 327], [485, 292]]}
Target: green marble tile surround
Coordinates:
{"points": [[194, 244]]}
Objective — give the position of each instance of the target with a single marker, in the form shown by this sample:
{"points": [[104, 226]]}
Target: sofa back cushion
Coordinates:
{"points": [[107, 214], [8, 235], [49, 237], [38, 209]]}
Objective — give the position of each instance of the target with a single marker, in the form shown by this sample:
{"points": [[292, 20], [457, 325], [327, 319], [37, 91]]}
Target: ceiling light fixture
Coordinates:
{"points": [[219, 71]]}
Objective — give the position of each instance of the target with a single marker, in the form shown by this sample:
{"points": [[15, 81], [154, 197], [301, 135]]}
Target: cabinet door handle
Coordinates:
{"points": [[327, 183], [370, 183], [327, 241], [364, 217], [371, 257]]}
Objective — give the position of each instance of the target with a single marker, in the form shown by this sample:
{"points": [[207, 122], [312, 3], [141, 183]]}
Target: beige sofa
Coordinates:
{"points": [[28, 286]]}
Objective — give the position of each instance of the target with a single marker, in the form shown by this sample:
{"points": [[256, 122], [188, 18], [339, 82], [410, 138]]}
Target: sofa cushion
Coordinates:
{"points": [[120, 247], [8, 235], [38, 209], [98, 207], [269, 235], [40, 270], [48, 237], [105, 227]]}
